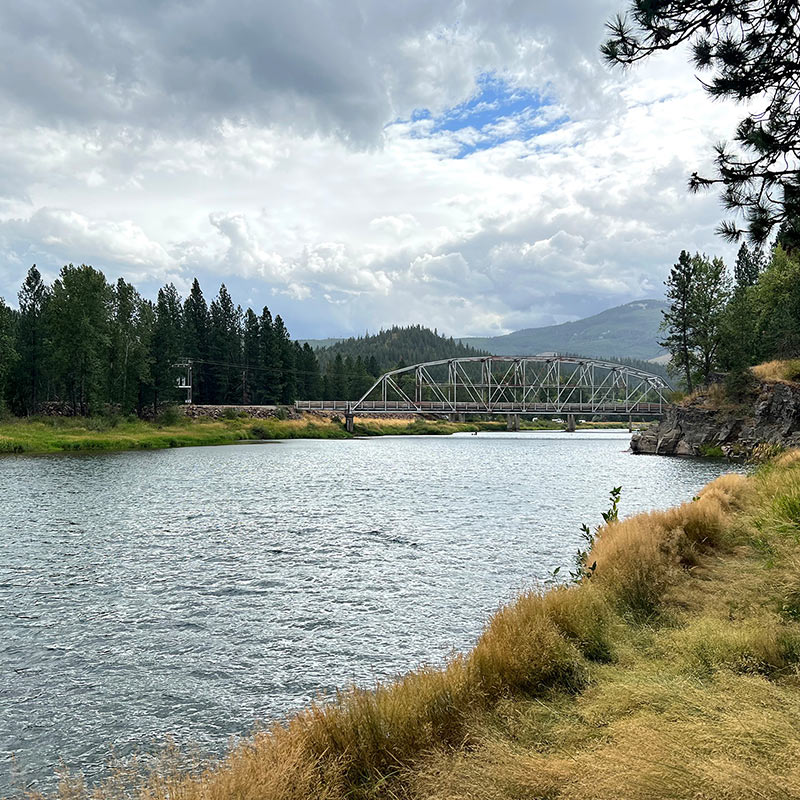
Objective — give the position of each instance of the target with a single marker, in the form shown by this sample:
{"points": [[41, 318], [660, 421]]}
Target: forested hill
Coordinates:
{"points": [[397, 346], [629, 331]]}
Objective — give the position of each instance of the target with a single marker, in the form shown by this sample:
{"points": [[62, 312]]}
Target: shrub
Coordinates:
{"points": [[741, 385], [169, 415]]}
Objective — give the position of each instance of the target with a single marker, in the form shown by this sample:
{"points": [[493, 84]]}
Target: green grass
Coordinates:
{"points": [[67, 434], [73, 434]]}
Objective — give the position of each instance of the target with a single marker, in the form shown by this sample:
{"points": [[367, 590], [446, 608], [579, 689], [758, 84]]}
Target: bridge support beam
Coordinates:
{"points": [[570, 423], [630, 424], [348, 423], [458, 417], [512, 422]]}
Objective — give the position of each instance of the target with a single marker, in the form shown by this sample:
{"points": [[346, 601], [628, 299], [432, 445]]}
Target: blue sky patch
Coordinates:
{"points": [[496, 113]]}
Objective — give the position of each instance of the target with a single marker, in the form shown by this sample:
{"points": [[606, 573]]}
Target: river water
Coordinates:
{"points": [[189, 593]]}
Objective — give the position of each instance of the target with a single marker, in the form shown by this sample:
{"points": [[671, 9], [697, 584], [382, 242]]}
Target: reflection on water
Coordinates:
{"points": [[192, 592]]}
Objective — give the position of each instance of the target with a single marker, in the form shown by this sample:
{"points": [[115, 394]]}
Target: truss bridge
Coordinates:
{"points": [[545, 385]]}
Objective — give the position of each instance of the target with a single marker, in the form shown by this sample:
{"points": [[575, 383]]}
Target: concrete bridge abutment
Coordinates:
{"points": [[571, 423]]}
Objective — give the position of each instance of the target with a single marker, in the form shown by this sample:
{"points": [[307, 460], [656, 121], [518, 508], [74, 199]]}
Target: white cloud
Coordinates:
{"points": [[268, 145]]}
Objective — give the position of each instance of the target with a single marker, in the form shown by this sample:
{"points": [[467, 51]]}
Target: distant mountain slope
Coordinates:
{"points": [[629, 331]]}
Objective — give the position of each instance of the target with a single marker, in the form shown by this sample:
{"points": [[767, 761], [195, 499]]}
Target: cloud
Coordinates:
{"points": [[469, 165]]}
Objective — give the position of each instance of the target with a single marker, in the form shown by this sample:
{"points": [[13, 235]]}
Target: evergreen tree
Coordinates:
{"points": [[31, 343], [195, 340], [79, 329], [709, 298], [313, 388], [129, 355], [167, 345], [336, 380], [679, 320], [286, 357], [251, 356], [8, 355], [224, 350], [789, 235], [270, 375], [748, 266], [777, 300], [360, 380]]}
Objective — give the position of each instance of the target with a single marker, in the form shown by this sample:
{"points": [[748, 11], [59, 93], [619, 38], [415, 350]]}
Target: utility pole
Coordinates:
{"points": [[185, 381]]}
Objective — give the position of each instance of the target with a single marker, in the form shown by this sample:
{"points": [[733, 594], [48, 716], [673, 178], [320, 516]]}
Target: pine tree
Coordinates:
{"points": [[79, 328], [167, 345], [748, 266], [31, 343], [225, 349], [286, 356], [129, 355], [679, 318], [313, 389], [709, 297], [195, 340], [8, 354], [251, 356], [270, 376]]}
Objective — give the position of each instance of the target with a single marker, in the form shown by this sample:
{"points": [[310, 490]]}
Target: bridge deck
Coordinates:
{"points": [[435, 407]]}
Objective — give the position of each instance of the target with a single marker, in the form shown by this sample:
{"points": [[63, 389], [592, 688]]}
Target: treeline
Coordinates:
{"points": [[720, 323], [89, 345]]}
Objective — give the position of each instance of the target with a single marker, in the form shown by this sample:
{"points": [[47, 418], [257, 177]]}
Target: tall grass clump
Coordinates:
{"points": [[638, 558], [777, 371]]}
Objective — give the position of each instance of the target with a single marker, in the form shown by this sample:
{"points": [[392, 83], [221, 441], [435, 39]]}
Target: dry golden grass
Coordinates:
{"points": [[786, 371], [671, 673]]}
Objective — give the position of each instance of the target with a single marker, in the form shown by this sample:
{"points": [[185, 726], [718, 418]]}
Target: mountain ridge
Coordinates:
{"points": [[630, 330]]}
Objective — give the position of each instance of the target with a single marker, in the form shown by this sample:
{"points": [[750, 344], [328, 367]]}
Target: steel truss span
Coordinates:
{"points": [[509, 385]]}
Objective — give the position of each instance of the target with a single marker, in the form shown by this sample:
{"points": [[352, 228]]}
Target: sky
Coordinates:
{"points": [[470, 165]]}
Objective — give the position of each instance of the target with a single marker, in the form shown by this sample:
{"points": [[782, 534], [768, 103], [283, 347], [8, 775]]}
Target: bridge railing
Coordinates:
{"points": [[437, 407]]}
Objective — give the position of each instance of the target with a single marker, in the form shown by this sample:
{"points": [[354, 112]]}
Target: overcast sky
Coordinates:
{"points": [[470, 165]]}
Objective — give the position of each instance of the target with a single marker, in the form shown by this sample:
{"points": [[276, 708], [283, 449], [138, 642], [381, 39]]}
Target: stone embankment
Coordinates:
{"points": [[704, 425], [257, 412], [278, 412]]}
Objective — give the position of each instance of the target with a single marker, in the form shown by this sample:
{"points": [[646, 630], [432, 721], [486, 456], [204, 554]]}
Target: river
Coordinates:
{"points": [[189, 593]]}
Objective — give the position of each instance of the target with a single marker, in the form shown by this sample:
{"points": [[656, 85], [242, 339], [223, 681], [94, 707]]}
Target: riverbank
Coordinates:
{"points": [[758, 414], [67, 434], [671, 672]]}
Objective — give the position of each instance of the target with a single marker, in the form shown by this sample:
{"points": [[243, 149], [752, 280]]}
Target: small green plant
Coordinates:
{"points": [[169, 415], [582, 567]]}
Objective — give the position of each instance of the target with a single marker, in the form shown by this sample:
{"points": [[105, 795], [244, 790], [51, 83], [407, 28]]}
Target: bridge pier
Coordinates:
{"points": [[630, 424], [512, 422], [570, 423], [458, 417], [348, 423]]}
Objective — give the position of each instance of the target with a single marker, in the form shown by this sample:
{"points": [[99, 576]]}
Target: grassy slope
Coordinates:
{"points": [[671, 673], [58, 434]]}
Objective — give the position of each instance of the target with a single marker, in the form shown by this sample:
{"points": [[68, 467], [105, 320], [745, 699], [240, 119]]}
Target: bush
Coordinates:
{"points": [[741, 385], [169, 415]]}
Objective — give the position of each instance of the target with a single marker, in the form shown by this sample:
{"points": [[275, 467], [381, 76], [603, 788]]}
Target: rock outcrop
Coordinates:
{"points": [[704, 426]]}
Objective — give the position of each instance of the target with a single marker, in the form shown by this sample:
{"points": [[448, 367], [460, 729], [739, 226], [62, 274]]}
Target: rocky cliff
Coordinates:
{"points": [[708, 425]]}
